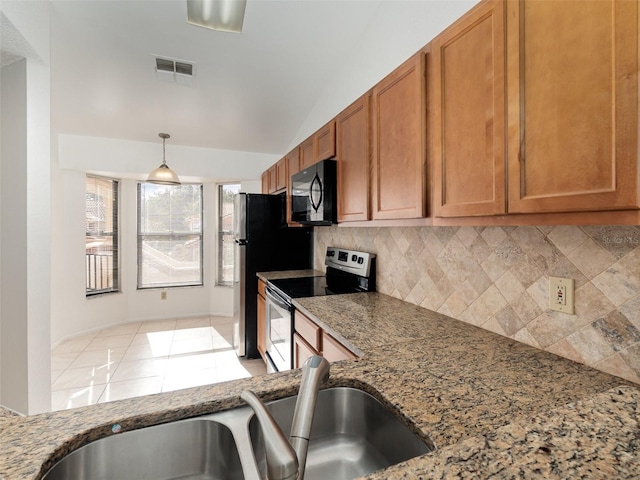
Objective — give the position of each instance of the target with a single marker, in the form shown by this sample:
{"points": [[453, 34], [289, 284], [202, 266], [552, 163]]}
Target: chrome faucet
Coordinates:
{"points": [[286, 460]]}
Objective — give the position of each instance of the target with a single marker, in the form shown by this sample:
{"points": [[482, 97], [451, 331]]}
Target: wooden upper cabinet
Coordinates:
{"points": [[265, 182], [325, 142], [307, 156], [281, 174], [293, 163], [467, 119], [572, 70], [273, 180], [399, 177], [293, 166], [353, 149], [319, 146]]}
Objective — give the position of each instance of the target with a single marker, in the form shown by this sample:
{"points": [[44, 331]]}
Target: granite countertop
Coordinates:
{"points": [[493, 407], [266, 276]]}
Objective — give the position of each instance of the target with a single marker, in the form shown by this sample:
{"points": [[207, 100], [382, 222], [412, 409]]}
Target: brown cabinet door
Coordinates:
{"points": [[353, 149], [333, 350], [262, 326], [468, 114], [308, 329], [325, 142], [281, 174], [293, 167], [293, 162], [301, 351], [572, 90], [265, 182], [307, 154], [273, 180], [399, 143]]}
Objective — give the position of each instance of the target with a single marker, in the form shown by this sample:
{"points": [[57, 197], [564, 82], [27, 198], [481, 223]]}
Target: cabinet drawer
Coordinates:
{"points": [[261, 288], [308, 330], [333, 350]]}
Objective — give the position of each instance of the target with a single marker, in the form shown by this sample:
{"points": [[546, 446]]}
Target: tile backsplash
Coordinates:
{"points": [[498, 279]]}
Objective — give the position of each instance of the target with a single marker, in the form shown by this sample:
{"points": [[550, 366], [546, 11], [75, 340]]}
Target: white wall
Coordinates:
{"points": [[398, 30], [13, 277], [129, 159], [72, 312], [25, 210]]}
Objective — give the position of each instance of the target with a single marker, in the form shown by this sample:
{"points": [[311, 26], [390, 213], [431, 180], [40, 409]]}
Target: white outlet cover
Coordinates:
{"points": [[567, 285]]}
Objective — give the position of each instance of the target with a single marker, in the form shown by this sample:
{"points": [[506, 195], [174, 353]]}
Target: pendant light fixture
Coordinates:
{"points": [[224, 15], [163, 175]]}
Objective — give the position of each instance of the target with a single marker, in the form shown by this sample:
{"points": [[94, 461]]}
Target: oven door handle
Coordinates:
{"points": [[276, 298]]}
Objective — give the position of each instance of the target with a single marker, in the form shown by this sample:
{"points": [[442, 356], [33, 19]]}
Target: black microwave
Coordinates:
{"points": [[314, 194]]}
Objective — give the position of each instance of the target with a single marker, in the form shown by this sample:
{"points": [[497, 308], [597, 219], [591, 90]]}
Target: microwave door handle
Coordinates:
{"points": [[315, 205]]}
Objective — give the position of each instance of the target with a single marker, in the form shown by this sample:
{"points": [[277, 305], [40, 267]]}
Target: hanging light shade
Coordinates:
{"points": [[163, 175], [225, 15]]}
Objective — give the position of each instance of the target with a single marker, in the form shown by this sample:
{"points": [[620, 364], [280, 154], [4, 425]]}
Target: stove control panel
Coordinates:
{"points": [[357, 263]]}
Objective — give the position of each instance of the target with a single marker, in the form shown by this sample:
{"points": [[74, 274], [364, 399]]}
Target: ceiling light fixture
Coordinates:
{"points": [[225, 15], [163, 175]]}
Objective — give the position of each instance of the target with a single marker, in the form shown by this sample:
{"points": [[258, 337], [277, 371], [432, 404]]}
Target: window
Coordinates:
{"points": [[169, 235], [101, 237], [225, 232]]}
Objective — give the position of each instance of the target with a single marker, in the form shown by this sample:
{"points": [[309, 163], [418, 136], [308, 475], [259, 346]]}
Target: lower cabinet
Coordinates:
{"points": [[309, 340], [262, 320], [301, 351], [333, 350]]}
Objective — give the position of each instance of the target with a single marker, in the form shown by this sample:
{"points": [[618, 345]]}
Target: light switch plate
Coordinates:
{"points": [[561, 294]]}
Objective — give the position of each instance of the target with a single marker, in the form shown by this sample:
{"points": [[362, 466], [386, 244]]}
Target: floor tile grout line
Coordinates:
{"points": [[215, 351]]}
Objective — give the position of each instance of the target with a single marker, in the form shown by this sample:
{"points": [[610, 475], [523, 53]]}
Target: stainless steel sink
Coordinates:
{"points": [[353, 434], [189, 449]]}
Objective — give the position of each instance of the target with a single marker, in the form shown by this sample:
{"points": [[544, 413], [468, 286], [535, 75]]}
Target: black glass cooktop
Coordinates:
{"points": [[302, 287]]}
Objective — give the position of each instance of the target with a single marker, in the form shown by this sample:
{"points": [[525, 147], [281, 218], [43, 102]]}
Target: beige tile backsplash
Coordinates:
{"points": [[497, 278]]}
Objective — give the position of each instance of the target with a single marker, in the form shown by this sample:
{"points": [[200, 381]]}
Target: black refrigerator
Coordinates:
{"points": [[262, 243]]}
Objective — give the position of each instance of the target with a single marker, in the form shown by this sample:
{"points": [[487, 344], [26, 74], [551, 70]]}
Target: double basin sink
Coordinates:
{"points": [[353, 434]]}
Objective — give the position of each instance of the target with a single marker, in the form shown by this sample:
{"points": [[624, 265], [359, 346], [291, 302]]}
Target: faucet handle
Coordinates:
{"points": [[282, 461], [315, 371]]}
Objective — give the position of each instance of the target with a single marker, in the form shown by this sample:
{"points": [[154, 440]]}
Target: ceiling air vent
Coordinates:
{"points": [[172, 70], [164, 65], [184, 68]]}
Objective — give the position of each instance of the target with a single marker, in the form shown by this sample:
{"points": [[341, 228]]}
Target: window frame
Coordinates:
{"points": [[221, 234], [115, 240], [140, 237]]}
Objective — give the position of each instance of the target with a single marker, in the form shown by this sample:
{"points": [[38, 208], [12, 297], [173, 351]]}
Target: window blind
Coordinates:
{"points": [[169, 235], [101, 238]]}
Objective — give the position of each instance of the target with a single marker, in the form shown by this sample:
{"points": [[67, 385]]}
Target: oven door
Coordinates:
{"points": [[279, 331]]}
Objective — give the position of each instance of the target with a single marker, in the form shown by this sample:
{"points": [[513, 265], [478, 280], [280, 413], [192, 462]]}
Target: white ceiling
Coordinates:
{"points": [[251, 91], [296, 64]]}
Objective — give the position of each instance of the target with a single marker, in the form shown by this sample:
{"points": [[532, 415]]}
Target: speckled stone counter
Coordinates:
{"points": [[494, 408], [266, 276], [7, 413]]}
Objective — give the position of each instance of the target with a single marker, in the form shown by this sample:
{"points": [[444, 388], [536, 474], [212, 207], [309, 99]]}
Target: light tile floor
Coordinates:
{"points": [[145, 358]]}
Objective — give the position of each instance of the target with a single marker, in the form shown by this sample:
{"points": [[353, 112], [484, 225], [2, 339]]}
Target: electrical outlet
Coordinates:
{"points": [[163, 295], [561, 294]]}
